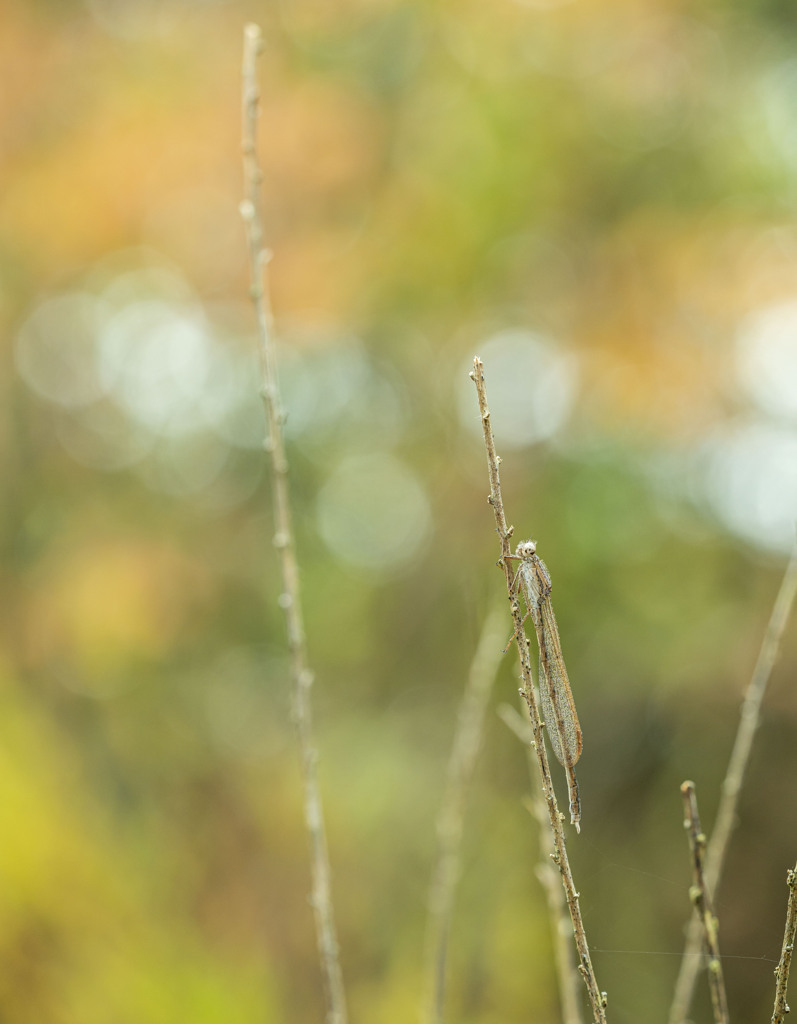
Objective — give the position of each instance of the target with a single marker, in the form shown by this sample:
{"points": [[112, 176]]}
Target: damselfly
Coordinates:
{"points": [[556, 699]]}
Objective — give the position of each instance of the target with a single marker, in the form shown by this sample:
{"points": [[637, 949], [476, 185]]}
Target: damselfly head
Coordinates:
{"points": [[526, 549]]}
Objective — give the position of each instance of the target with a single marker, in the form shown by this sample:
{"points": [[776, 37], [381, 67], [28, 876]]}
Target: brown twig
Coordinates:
{"points": [[731, 786], [701, 897], [596, 997], [284, 543], [784, 964], [465, 748], [561, 928]]}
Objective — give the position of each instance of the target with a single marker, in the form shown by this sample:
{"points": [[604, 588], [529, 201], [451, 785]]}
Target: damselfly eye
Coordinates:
{"points": [[526, 548]]}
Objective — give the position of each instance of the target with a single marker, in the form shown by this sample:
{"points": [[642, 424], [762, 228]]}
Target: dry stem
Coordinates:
{"points": [[569, 987], [596, 997], [467, 740], [701, 897], [729, 799], [784, 964], [284, 543]]}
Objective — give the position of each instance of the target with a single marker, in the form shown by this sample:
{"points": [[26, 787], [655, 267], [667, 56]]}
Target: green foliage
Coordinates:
{"points": [[613, 184]]}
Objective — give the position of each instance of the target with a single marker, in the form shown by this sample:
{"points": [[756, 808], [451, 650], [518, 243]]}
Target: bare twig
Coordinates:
{"points": [[467, 740], [701, 897], [284, 543], [561, 927], [596, 997], [784, 964], [731, 786]]}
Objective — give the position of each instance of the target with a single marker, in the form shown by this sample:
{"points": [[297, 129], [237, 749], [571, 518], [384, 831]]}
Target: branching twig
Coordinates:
{"points": [[784, 964], [596, 997], [284, 543], [467, 740], [737, 766], [701, 897], [569, 987]]}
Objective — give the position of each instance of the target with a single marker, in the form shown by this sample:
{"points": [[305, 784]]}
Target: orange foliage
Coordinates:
{"points": [[110, 604]]}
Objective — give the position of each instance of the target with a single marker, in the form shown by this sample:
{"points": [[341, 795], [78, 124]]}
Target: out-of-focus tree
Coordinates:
{"points": [[597, 198]]}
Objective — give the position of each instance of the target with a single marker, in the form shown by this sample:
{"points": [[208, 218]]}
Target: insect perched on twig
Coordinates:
{"points": [[556, 698]]}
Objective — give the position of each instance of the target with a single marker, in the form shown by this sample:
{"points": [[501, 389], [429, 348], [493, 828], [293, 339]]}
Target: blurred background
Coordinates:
{"points": [[595, 196]]}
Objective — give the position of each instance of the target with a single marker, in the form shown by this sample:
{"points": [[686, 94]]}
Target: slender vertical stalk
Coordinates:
{"points": [[732, 784], [701, 897], [450, 820], [784, 964], [284, 543], [567, 975], [596, 997]]}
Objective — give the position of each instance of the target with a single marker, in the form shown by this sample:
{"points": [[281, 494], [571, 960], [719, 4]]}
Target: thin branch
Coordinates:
{"points": [[465, 748], [731, 786], [596, 997], [701, 897], [784, 964], [274, 444], [561, 928]]}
